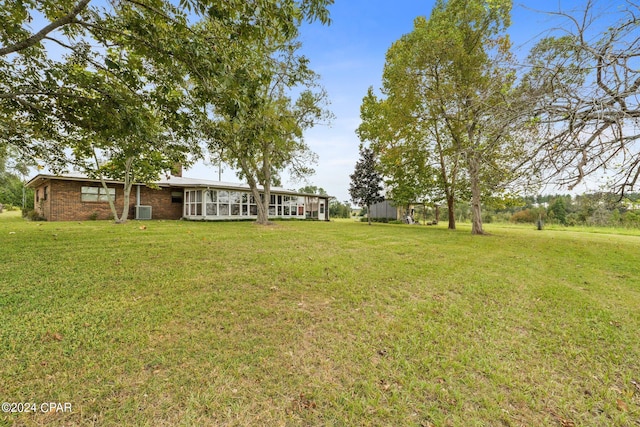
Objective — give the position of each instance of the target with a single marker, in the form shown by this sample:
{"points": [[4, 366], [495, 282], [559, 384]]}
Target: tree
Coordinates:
{"points": [[14, 169], [451, 111], [365, 188], [120, 124], [402, 159], [261, 131], [339, 210], [584, 82], [312, 189], [473, 93], [162, 33], [404, 132], [558, 210]]}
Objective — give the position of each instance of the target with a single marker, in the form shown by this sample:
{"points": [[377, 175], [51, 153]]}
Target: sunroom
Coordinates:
{"points": [[227, 204]]}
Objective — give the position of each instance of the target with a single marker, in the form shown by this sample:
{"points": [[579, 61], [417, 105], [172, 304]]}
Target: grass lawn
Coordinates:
{"points": [[312, 323]]}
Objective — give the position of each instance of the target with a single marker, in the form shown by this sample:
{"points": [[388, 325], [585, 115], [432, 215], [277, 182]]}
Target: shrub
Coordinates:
{"points": [[529, 215], [384, 220], [32, 215], [523, 216]]}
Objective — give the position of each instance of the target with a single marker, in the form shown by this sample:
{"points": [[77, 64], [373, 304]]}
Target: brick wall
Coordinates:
{"points": [[42, 203], [64, 202]]}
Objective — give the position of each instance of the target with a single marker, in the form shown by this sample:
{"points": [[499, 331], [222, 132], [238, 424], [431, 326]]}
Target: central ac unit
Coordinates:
{"points": [[143, 212]]}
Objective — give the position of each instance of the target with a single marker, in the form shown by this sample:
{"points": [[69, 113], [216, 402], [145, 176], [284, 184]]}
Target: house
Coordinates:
{"points": [[74, 197]]}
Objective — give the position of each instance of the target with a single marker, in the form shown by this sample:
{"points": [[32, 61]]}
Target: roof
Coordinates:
{"points": [[167, 181]]}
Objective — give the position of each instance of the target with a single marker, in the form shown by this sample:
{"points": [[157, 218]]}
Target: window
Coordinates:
{"points": [[223, 203], [97, 194], [212, 203], [176, 197], [46, 193], [193, 204]]}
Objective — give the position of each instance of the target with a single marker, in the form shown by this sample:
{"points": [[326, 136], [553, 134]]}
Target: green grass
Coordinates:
{"points": [[313, 323]]}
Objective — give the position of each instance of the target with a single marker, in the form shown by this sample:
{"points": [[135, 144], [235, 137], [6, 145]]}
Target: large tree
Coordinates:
{"points": [[366, 182], [258, 127], [416, 163], [162, 33], [584, 84], [450, 97]]}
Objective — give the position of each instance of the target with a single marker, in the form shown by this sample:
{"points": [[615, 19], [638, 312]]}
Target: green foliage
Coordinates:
{"points": [[339, 210], [382, 220], [365, 188], [312, 189], [124, 85], [558, 211], [32, 215], [257, 119], [13, 191], [529, 215], [449, 124]]}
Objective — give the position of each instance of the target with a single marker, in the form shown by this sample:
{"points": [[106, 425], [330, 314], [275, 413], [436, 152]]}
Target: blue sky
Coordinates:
{"points": [[349, 55]]}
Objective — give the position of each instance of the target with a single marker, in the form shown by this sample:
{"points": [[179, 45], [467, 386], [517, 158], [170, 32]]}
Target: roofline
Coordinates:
{"points": [[40, 176], [33, 181]]}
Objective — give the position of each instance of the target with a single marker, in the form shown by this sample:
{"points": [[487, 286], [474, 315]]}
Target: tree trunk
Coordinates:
{"points": [[263, 215], [128, 184], [262, 203], [111, 201], [451, 206], [448, 186], [125, 203], [369, 214], [263, 211], [476, 210]]}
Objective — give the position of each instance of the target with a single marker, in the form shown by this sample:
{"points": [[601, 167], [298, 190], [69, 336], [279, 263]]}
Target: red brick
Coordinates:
{"points": [[64, 201]]}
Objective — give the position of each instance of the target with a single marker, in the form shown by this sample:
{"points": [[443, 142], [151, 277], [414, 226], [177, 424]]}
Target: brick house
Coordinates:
{"points": [[73, 197]]}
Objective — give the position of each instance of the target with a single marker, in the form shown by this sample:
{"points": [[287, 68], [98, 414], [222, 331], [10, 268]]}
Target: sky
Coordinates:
{"points": [[349, 55]]}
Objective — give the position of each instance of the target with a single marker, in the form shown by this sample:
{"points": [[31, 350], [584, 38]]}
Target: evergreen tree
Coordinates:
{"points": [[366, 183]]}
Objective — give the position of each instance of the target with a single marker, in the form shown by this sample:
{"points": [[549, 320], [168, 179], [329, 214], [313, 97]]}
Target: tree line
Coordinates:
{"points": [[459, 119]]}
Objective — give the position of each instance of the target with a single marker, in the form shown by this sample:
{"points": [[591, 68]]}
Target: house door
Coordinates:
{"points": [[321, 213]]}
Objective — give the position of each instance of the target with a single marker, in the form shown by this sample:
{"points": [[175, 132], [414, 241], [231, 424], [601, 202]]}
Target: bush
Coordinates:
{"points": [[32, 215], [384, 220], [523, 216], [529, 215]]}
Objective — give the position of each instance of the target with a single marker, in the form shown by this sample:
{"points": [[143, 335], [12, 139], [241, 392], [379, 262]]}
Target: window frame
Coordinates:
{"points": [[101, 195]]}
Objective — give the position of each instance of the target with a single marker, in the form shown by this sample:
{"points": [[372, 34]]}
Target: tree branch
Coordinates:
{"points": [[37, 37]]}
